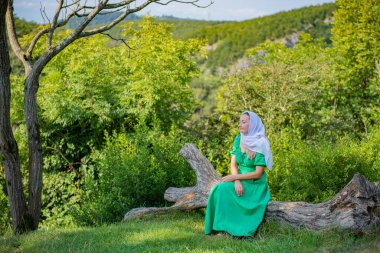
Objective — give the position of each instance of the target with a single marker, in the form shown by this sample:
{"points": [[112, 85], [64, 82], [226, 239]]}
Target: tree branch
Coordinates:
{"points": [[133, 10], [61, 23], [44, 15], [193, 2], [54, 22], [69, 5], [49, 54], [29, 52], [109, 12], [119, 4], [12, 34], [113, 38], [115, 21]]}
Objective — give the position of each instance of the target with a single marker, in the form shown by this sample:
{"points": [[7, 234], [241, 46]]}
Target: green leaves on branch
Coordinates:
{"points": [[356, 36], [93, 86]]}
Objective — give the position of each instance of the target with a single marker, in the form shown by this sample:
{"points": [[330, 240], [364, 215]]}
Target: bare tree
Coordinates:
{"points": [[26, 216]]}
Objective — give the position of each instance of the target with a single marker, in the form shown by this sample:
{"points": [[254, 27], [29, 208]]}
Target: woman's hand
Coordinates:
{"points": [[238, 186], [251, 154], [229, 178], [239, 189]]}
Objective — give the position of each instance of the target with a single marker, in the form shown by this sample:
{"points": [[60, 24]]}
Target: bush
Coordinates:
{"points": [[132, 170], [60, 193], [316, 172]]}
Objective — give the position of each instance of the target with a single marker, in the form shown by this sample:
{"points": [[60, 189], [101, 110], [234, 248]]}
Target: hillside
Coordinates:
{"points": [[232, 39]]}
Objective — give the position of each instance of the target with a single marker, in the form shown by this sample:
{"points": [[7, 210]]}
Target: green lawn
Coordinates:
{"points": [[183, 232]]}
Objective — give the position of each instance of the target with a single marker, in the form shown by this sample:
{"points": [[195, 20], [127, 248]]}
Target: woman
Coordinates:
{"points": [[237, 205]]}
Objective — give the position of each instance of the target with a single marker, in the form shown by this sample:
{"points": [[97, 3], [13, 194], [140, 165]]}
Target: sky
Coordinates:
{"points": [[237, 10]]}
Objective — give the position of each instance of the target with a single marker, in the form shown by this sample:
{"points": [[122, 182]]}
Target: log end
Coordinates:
{"points": [[188, 150]]}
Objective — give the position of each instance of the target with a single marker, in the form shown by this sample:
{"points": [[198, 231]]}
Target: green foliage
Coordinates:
{"points": [[316, 172], [161, 70], [356, 34], [24, 27], [216, 149], [61, 193], [91, 88], [132, 170]]}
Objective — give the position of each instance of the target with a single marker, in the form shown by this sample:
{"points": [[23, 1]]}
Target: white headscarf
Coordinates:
{"points": [[256, 140]]}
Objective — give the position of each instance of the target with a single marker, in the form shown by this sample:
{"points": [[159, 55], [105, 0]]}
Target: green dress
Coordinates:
{"points": [[238, 216]]}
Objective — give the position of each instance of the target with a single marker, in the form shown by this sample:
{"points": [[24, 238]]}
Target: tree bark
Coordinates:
{"points": [[356, 207], [9, 149], [35, 165]]}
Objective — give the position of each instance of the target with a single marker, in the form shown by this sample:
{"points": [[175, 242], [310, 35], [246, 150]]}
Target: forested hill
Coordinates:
{"points": [[232, 39]]}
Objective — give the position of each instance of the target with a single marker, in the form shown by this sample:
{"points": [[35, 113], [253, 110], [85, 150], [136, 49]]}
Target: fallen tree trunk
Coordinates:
{"points": [[355, 207]]}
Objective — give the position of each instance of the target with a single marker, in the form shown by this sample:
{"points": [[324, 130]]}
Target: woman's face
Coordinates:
{"points": [[244, 124]]}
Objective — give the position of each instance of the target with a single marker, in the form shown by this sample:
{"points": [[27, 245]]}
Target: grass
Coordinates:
{"points": [[183, 232]]}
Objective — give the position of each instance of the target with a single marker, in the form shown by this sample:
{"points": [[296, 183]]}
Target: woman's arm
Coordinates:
{"points": [[234, 165], [253, 175], [239, 189]]}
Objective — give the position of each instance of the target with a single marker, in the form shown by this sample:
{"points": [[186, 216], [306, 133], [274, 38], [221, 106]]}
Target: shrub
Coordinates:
{"points": [[61, 192], [316, 172], [132, 170]]}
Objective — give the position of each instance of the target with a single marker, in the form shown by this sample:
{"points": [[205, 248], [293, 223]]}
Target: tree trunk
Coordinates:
{"points": [[34, 147], [9, 149], [356, 207]]}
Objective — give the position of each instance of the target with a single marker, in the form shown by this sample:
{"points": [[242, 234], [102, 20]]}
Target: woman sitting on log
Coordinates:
{"points": [[237, 205]]}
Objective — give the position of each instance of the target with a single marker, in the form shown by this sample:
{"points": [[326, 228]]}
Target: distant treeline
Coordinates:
{"points": [[234, 38]]}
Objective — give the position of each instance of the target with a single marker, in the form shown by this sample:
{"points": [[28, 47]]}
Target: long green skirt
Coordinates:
{"points": [[238, 216]]}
